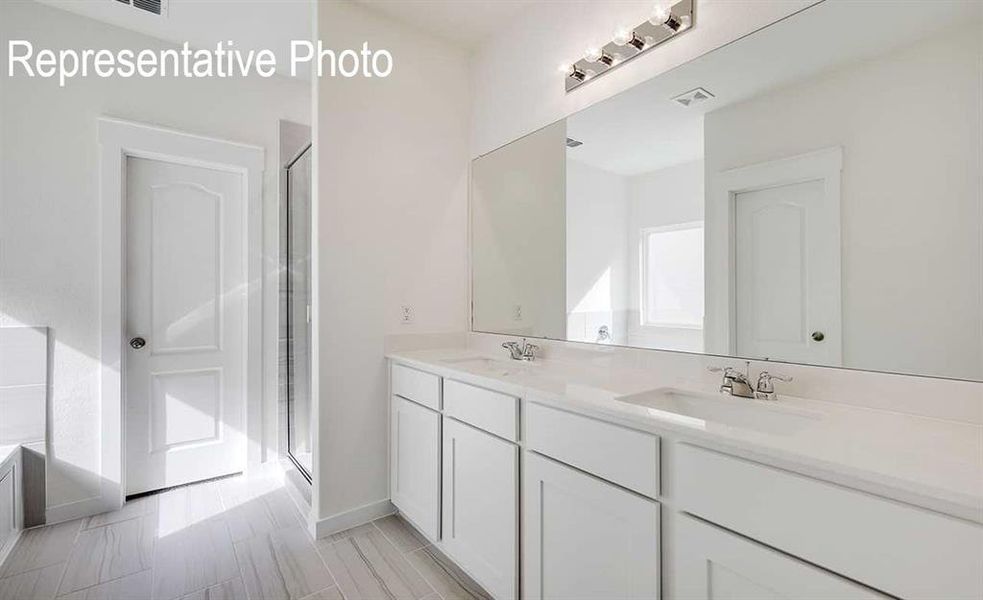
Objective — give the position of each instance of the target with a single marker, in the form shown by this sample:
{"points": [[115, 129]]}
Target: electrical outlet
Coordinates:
{"points": [[517, 312], [406, 314]]}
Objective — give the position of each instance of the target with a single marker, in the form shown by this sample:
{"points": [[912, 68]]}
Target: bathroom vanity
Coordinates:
{"points": [[550, 479], [793, 198]]}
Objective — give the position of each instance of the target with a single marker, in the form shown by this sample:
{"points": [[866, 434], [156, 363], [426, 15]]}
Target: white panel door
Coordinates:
{"points": [[787, 280], [711, 563], [584, 538], [185, 292], [415, 465], [481, 506]]}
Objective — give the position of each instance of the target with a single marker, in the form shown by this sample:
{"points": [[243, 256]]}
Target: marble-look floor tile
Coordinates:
{"points": [[135, 508], [347, 533], [447, 578], [227, 590], [41, 547], [368, 566], [282, 564], [263, 514], [193, 558], [184, 506], [131, 587], [332, 593], [400, 533], [39, 584], [110, 552]]}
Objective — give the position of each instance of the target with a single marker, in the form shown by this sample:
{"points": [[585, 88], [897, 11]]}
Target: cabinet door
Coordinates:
{"points": [[713, 563], [415, 465], [481, 506], [584, 537]]}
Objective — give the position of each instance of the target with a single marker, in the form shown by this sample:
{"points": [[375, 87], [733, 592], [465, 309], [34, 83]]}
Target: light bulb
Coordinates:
{"points": [[660, 14], [684, 22], [623, 36], [567, 69], [593, 54]]}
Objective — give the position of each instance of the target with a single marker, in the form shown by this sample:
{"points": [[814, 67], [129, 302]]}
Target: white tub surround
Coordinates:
{"points": [[11, 499], [808, 478]]}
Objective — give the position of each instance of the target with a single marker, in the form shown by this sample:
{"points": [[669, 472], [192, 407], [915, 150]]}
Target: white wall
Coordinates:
{"points": [[49, 210], [911, 223], [596, 253], [668, 196], [391, 181]]}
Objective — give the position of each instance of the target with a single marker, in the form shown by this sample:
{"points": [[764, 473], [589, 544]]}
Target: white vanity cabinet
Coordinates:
{"points": [[714, 563], [584, 537], [481, 506], [415, 464]]}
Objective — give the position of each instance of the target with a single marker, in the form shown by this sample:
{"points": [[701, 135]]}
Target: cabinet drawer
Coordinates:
{"points": [[897, 548], [624, 456], [492, 411], [412, 384]]}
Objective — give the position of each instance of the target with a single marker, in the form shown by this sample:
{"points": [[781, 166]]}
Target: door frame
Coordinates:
{"points": [[118, 141], [826, 165]]}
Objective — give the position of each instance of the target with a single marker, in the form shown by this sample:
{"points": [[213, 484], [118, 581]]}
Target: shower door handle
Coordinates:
{"points": [[137, 343]]}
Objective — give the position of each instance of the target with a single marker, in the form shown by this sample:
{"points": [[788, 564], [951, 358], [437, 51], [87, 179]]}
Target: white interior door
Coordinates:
{"points": [[787, 267], [185, 292]]}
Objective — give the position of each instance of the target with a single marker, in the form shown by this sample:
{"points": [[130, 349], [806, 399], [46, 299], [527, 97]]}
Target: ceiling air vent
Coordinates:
{"points": [[691, 97], [572, 143], [156, 7]]}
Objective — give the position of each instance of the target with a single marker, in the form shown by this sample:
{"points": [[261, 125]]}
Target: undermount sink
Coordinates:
{"points": [[706, 411], [497, 366]]}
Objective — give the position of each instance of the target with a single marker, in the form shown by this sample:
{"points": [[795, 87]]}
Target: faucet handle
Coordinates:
{"points": [[765, 389], [766, 377]]}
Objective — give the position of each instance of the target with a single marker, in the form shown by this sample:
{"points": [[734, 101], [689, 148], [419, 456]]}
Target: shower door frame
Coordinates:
{"points": [[287, 314]]}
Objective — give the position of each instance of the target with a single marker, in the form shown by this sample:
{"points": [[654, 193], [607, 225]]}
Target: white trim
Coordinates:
{"points": [[720, 322], [118, 140], [74, 510], [357, 516]]}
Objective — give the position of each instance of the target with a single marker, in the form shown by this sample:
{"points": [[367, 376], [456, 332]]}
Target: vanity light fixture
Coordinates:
{"points": [[667, 20]]}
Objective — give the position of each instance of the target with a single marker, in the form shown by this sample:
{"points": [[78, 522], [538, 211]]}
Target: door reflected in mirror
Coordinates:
{"points": [[810, 193]]}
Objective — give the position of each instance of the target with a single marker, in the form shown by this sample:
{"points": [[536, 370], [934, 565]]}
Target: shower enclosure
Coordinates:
{"points": [[297, 291]]}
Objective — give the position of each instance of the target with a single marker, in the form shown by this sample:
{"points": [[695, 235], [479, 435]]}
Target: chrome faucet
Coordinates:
{"points": [[735, 383], [738, 384], [524, 351]]}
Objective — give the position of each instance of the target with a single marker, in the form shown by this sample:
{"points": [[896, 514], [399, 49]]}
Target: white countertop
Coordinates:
{"points": [[933, 463]]}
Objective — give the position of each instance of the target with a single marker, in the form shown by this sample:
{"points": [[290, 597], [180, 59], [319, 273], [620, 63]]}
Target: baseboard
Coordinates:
{"points": [[357, 516], [75, 510]]}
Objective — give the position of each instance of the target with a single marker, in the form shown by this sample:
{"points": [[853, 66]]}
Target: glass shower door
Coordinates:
{"points": [[298, 315]]}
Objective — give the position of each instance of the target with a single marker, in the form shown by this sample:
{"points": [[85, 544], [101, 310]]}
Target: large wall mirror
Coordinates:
{"points": [[810, 193]]}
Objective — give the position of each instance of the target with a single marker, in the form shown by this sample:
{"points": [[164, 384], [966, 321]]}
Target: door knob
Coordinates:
{"points": [[137, 343], [818, 336]]}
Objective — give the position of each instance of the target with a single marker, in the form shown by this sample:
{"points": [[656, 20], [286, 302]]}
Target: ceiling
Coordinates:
{"points": [[467, 23], [643, 130], [258, 24], [253, 25]]}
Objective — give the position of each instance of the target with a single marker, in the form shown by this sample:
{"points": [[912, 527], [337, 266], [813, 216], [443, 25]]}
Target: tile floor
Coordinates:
{"points": [[240, 538]]}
